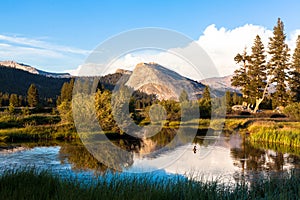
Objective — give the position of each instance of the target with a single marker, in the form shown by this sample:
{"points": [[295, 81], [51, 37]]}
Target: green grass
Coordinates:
{"points": [[19, 121], [284, 133], [47, 132], [30, 184]]}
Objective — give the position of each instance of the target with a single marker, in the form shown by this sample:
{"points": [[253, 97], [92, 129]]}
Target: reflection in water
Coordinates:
{"points": [[80, 158], [251, 158], [223, 155]]}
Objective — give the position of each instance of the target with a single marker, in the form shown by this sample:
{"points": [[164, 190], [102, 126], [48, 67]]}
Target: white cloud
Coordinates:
{"points": [[292, 39], [221, 45], [168, 59]]}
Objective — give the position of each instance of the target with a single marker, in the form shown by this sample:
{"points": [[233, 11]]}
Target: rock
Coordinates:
{"points": [[152, 78]]}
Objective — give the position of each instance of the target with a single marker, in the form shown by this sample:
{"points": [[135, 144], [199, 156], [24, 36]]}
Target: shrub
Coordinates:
{"points": [[293, 111]]}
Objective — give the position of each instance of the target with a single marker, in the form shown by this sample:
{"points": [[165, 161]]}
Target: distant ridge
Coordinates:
{"points": [[220, 83], [32, 70], [17, 81]]}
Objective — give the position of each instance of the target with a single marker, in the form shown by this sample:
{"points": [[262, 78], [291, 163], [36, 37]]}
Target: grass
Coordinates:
{"points": [[284, 133], [31, 184], [34, 127], [47, 132], [19, 121]]}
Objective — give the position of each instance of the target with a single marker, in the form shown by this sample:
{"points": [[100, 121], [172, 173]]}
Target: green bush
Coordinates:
{"points": [[293, 111]]}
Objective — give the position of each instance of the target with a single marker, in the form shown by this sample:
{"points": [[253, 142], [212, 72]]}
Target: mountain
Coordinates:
{"points": [[32, 70], [224, 84], [220, 83], [14, 80], [152, 78]]}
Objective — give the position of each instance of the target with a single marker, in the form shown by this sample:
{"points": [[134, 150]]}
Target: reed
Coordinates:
{"points": [[284, 133], [31, 184]]}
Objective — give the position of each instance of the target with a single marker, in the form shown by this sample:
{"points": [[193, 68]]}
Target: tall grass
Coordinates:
{"points": [[30, 184], [46, 132], [285, 133]]}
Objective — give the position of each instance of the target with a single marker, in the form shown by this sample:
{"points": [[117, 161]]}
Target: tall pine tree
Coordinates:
{"points": [[294, 81], [206, 93], [257, 73], [240, 77], [32, 96], [279, 64]]}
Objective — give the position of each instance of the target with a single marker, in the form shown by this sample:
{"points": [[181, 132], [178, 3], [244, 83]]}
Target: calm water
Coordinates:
{"points": [[226, 158]]}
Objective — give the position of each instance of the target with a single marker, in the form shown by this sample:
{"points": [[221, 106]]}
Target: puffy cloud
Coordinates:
{"points": [[171, 59], [293, 38], [222, 45]]}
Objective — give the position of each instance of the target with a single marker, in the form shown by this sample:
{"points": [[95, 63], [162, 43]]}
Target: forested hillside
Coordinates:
{"points": [[18, 81]]}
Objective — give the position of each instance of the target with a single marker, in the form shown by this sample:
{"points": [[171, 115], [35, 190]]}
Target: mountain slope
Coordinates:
{"points": [[32, 70], [17, 81], [152, 78], [224, 84], [220, 83]]}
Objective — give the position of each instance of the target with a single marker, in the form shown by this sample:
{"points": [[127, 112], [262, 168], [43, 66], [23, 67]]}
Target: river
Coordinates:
{"points": [[227, 159]]}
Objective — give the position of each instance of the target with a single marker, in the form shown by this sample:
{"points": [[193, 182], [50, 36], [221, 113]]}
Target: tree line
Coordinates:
{"points": [[264, 67], [32, 99]]}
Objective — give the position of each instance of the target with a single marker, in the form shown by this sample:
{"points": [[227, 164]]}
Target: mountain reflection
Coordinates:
{"points": [[243, 155]]}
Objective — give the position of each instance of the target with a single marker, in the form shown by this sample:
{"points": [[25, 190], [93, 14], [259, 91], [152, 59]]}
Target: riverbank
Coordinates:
{"points": [[30, 184], [283, 133], [47, 127], [34, 127]]}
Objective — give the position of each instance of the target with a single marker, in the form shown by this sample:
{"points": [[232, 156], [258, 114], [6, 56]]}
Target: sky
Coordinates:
{"points": [[58, 36]]}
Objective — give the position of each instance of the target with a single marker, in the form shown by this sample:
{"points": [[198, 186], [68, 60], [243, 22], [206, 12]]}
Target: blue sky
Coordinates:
{"points": [[57, 35]]}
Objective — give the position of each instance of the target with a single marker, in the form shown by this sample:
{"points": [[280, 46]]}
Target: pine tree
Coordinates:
{"points": [[229, 102], [235, 99], [240, 77], [278, 64], [294, 81], [13, 100], [183, 96], [32, 96], [257, 73], [206, 93]]}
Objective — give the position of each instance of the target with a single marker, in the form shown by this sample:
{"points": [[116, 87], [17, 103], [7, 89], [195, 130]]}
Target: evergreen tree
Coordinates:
{"points": [[13, 100], [11, 108], [257, 73], [240, 77], [294, 81], [66, 91], [206, 93], [32, 96], [235, 99], [183, 96], [278, 64], [228, 101], [21, 100]]}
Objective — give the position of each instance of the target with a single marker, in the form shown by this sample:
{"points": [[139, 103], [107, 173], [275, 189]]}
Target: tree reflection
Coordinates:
{"points": [[252, 158], [84, 157], [80, 158]]}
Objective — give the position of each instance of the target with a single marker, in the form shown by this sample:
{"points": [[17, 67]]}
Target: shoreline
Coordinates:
{"points": [[281, 131]]}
